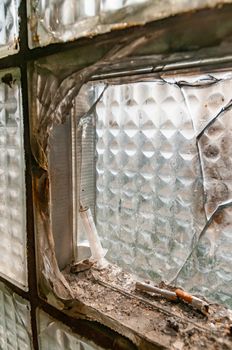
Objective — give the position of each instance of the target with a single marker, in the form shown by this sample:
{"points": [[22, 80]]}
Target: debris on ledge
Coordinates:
{"points": [[146, 316]]}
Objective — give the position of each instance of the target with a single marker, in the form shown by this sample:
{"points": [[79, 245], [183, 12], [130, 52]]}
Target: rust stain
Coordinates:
{"points": [[219, 217], [35, 38]]}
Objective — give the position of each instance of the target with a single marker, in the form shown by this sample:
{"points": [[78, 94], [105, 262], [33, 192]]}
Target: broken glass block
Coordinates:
{"points": [[150, 157], [208, 270], [148, 177], [162, 173]]}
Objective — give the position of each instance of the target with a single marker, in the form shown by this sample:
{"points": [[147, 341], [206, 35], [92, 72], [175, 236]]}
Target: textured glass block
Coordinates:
{"points": [[15, 329], [9, 27], [12, 184], [151, 158], [205, 104], [69, 19], [149, 203], [55, 335], [205, 100], [216, 159], [62, 20], [163, 178], [208, 271]]}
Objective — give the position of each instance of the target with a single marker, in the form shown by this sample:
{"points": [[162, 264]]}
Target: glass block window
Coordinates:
{"points": [[51, 22], [9, 27], [115, 167], [13, 263], [158, 154], [55, 335], [60, 21], [15, 329]]}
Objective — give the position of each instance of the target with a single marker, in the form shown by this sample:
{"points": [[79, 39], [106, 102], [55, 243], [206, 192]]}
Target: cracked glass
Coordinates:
{"points": [[131, 167], [150, 157], [163, 180]]}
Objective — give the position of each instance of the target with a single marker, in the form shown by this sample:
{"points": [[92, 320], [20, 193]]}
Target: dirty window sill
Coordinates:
{"points": [[149, 321]]}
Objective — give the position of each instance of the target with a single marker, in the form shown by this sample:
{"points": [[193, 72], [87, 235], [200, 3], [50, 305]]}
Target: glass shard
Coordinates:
{"points": [[215, 150], [206, 97], [12, 185], [15, 329], [55, 335], [208, 271]]}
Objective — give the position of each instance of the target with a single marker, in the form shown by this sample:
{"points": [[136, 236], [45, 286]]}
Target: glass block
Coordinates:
{"points": [[12, 185], [213, 131], [208, 270], [60, 21], [215, 152], [148, 178], [163, 171], [55, 335], [151, 158], [15, 329], [9, 27]]}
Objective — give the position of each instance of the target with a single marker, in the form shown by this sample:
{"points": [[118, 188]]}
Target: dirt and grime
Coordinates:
{"points": [[166, 324]]}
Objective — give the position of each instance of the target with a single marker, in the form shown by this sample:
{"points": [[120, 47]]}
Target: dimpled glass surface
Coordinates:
{"points": [[148, 178], [52, 21], [163, 184], [62, 20], [12, 187], [9, 26], [208, 268], [15, 333], [55, 335]]}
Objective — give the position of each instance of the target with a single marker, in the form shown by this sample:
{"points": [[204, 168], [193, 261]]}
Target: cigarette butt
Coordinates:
{"points": [[184, 295], [148, 288], [200, 305], [194, 301], [179, 293]]}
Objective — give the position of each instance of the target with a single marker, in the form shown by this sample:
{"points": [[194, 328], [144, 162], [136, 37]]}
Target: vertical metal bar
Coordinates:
{"points": [[74, 182], [31, 251]]}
